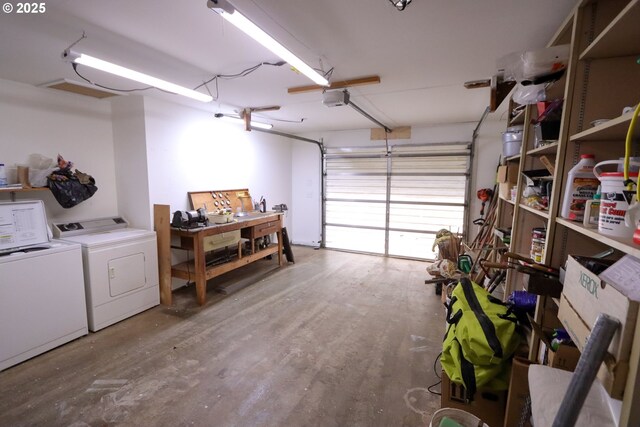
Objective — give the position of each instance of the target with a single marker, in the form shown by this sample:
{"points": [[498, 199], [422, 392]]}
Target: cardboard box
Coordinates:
{"points": [[550, 315], [507, 178], [589, 296], [488, 405], [508, 174], [542, 284], [565, 357], [612, 373], [518, 392], [504, 190]]}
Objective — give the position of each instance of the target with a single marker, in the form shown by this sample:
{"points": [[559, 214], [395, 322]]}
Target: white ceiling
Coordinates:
{"points": [[423, 54]]}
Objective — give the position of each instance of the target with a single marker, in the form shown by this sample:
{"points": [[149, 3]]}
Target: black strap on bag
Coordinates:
{"points": [[468, 376], [485, 323]]}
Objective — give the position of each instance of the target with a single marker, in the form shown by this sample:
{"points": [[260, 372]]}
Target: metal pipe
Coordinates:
{"points": [[364, 113], [474, 137], [586, 370], [289, 135], [320, 146]]}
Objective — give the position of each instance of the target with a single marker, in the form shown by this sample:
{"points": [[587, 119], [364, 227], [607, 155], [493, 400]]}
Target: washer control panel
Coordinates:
{"points": [[74, 228]]}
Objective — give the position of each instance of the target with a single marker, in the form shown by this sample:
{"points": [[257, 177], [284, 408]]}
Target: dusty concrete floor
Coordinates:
{"points": [[336, 339]]}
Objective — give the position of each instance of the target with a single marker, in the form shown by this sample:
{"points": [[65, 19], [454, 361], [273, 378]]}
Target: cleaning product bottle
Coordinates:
{"points": [[581, 186], [3, 176], [592, 211]]}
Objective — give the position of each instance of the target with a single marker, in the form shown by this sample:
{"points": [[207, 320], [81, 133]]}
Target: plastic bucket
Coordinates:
{"points": [[615, 200], [461, 417], [511, 148]]}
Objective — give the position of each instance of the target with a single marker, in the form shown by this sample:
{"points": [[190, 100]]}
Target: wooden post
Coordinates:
{"points": [[200, 268], [161, 223]]}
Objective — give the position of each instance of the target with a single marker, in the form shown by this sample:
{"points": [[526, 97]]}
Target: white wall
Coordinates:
{"points": [[47, 122], [190, 150], [130, 150], [143, 151], [485, 163], [306, 209], [306, 224]]}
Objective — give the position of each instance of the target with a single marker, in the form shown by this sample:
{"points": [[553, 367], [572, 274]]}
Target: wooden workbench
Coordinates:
{"points": [[251, 227]]}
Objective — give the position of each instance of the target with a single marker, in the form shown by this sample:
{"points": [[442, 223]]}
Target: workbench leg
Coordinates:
{"points": [[200, 267], [162, 223], [280, 245]]}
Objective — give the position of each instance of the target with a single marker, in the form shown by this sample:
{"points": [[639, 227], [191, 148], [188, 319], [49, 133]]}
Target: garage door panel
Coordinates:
{"points": [[355, 239], [411, 245], [394, 204], [356, 214], [426, 218]]}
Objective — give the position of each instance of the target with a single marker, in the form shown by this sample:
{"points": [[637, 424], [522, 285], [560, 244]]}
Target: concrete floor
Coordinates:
{"points": [[336, 339]]}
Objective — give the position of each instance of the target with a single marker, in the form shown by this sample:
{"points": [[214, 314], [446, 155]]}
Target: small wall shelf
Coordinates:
{"points": [[12, 191]]}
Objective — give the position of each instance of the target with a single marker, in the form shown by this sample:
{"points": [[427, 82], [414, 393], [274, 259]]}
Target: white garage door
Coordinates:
{"points": [[394, 202]]}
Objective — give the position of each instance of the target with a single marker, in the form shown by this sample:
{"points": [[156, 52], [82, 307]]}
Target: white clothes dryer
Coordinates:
{"points": [[120, 268]]}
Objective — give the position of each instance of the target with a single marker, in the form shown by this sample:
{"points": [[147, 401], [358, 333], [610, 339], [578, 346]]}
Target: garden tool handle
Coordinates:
{"points": [[500, 265]]}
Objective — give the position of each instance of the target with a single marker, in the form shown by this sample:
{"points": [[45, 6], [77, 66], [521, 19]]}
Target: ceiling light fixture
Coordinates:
{"points": [[108, 67], [400, 4], [241, 121], [228, 12]]}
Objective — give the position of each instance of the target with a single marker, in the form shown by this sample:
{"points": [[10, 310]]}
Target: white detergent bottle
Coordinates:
{"points": [[3, 176], [581, 186]]}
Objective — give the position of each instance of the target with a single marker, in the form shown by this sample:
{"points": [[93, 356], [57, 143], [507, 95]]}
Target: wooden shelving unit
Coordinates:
{"points": [[545, 149], [538, 212], [602, 78]]}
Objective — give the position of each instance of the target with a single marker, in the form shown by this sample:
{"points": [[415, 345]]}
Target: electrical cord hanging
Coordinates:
{"points": [[75, 68], [627, 154], [215, 78], [435, 370], [242, 73]]}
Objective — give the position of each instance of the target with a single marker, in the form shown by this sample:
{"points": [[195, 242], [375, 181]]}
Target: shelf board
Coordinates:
{"points": [[620, 38], [542, 214], [614, 129], [518, 119], [512, 158], [511, 202], [23, 190], [12, 191], [624, 245], [545, 149]]}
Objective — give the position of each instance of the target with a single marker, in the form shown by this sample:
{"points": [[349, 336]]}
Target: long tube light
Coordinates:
{"points": [[108, 67], [228, 12], [240, 120]]}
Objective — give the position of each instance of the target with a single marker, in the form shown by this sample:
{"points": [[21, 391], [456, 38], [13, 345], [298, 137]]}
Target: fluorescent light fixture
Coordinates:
{"points": [[228, 12], [240, 121], [108, 67]]}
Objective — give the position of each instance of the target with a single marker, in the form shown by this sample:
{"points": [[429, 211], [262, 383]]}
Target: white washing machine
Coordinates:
{"points": [[42, 299], [120, 268]]}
